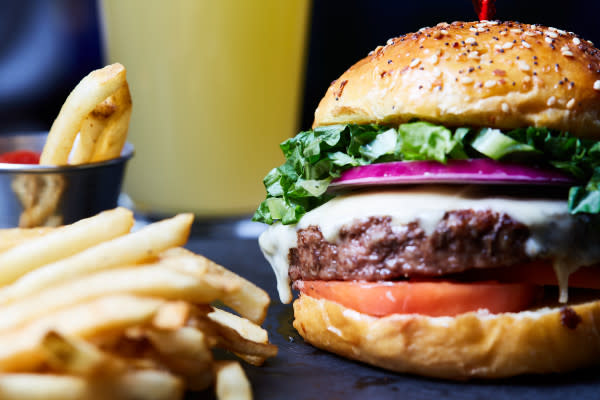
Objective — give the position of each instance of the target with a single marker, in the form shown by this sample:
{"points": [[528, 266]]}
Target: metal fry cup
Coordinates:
{"points": [[36, 195]]}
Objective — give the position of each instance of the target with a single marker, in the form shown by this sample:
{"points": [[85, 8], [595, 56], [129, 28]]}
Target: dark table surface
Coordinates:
{"points": [[301, 371]]}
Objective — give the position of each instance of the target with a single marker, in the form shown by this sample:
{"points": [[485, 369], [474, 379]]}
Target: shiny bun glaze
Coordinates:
{"points": [[498, 74]]}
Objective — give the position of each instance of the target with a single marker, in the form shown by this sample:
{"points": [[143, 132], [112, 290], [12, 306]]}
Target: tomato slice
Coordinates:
{"points": [[20, 157], [439, 298]]}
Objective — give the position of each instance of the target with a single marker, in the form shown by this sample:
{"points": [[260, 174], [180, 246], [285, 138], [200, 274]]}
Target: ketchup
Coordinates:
{"points": [[485, 9], [20, 157]]}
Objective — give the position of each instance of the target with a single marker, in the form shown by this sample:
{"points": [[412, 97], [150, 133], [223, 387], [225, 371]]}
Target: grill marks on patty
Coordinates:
{"points": [[374, 250]]}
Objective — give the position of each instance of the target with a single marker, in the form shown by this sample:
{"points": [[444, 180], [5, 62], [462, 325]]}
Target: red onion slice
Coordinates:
{"points": [[475, 171]]}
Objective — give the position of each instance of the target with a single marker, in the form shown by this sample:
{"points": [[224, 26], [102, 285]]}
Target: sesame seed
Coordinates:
{"points": [[507, 45], [525, 44], [473, 29], [489, 84], [390, 42], [437, 72], [516, 30], [443, 32], [548, 40], [480, 30], [470, 40], [571, 103], [597, 85], [529, 33], [523, 66], [551, 101], [553, 35], [466, 80], [473, 55], [560, 31], [526, 78], [565, 48], [434, 59], [576, 41], [504, 107], [414, 62], [503, 33], [567, 53]]}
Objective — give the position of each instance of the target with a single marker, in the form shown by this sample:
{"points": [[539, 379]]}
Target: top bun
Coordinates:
{"points": [[497, 74]]}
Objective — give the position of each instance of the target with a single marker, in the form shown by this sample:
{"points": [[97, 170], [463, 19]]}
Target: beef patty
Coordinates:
{"points": [[374, 250]]}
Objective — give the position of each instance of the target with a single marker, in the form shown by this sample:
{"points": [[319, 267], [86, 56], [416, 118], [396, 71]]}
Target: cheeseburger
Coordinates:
{"points": [[442, 216]]}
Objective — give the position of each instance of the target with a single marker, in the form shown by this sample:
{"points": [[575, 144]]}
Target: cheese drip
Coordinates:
{"points": [[567, 239]]}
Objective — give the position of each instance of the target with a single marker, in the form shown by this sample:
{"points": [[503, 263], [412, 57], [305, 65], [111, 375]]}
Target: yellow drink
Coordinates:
{"points": [[215, 87]]}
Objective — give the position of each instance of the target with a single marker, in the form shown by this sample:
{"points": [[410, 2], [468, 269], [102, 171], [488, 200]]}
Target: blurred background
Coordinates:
{"points": [[48, 46]]}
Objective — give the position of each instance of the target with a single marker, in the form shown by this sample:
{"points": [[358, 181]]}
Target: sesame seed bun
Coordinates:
{"points": [[470, 345], [496, 74]]}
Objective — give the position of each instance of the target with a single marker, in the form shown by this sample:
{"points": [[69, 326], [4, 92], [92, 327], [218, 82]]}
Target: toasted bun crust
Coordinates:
{"points": [[467, 346], [503, 75]]}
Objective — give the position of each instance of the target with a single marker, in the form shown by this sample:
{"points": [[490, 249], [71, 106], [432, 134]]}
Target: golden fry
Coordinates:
{"points": [[92, 89], [112, 139], [250, 301], [10, 238], [232, 383]]}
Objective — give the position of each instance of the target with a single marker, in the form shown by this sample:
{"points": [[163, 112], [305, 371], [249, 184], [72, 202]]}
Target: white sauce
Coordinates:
{"points": [[555, 233]]}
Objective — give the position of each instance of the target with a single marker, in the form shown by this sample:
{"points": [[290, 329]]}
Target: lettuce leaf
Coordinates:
{"points": [[315, 157]]}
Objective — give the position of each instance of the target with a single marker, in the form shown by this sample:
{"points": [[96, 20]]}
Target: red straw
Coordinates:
{"points": [[485, 9]]}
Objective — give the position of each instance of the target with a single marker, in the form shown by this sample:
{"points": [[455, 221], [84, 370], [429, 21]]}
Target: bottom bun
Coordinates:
{"points": [[470, 345]]}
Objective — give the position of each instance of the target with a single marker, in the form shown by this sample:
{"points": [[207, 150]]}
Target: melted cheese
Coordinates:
{"points": [[555, 233]]}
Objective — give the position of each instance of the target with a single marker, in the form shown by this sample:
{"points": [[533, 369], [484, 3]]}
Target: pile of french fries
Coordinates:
{"points": [[93, 310]]}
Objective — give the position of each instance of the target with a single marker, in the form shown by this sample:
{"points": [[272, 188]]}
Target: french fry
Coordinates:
{"points": [[10, 238], [249, 341], [90, 91], [91, 129], [20, 349], [63, 242], [250, 301], [186, 352], [43, 387], [46, 193], [154, 280], [136, 247], [75, 356], [232, 383], [173, 316], [112, 138], [147, 385]]}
